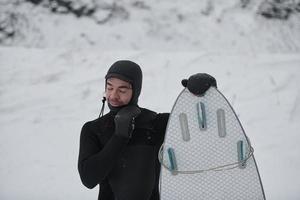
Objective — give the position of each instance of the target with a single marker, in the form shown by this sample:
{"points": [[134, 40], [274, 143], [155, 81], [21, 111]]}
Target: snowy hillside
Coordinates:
{"points": [[170, 25], [52, 81]]}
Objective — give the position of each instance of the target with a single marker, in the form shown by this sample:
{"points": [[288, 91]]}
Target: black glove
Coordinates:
{"points": [[199, 83], [124, 121]]}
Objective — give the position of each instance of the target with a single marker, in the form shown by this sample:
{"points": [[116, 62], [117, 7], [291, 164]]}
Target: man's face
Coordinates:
{"points": [[118, 92]]}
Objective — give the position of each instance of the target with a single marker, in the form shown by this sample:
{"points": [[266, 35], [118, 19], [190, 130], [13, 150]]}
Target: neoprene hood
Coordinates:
{"points": [[128, 71]]}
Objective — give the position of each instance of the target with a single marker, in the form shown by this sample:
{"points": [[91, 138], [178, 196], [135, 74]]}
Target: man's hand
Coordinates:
{"points": [[124, 121], [199, 83]]}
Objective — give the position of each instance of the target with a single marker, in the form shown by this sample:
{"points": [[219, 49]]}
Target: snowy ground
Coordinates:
{"points": [[47, 94], [51, 82]]}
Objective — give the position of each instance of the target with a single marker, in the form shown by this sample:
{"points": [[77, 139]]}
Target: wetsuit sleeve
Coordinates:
{"points": [[96, 161]]}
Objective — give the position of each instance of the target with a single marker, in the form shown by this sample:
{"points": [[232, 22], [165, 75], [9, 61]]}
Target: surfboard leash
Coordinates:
{"points": [[230, 166]]}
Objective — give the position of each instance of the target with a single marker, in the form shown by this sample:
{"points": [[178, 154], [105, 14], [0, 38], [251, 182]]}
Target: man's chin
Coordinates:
{"points": [[116, 104]]}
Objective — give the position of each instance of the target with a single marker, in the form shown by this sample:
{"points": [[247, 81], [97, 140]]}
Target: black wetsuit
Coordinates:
{"points": [[125, 169]]}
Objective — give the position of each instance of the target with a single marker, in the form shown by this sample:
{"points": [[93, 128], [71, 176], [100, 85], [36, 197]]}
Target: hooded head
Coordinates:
{"points": [[130, 72]]}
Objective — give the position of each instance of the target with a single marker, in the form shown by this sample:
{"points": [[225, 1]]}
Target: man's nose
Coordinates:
{"points": [[114, 94]]}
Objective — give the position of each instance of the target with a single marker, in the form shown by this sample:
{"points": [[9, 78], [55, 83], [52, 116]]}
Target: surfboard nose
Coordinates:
{"points": [[199, 83]]}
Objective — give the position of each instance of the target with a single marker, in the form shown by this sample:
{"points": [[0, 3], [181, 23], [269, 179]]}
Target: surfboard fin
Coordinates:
{"points": [[172, 159], [184, 127], [201, 116], [241, 149], [221, 123]]}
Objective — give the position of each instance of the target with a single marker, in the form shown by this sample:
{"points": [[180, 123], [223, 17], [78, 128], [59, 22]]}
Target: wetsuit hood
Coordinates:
{"points": [[128, 71]]}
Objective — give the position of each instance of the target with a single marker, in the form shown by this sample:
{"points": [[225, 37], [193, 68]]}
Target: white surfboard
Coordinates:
{"points": [[206, 154]]}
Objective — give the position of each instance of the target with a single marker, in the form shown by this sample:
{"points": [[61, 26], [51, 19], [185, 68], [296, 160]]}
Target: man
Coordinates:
{"points": [[119, 150]]}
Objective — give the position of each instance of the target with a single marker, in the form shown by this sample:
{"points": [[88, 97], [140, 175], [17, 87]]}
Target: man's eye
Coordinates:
{"points": [[109, 89]]}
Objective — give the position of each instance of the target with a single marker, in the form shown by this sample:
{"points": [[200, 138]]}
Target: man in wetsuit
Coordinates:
{"points": [[119, 150]]}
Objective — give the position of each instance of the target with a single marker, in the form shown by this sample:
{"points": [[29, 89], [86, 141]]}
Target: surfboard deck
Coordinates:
{"points": [[206, 153]]}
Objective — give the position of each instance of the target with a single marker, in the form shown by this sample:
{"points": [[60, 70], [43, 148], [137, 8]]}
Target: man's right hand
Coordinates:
{"points": [[124, 121], [199, 83]]}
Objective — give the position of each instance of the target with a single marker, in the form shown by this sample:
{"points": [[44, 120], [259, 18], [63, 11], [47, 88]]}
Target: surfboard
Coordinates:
{"points": [[206, 154]]}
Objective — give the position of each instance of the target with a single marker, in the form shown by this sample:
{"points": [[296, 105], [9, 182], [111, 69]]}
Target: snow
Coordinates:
{"points": [[49, 87]]}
